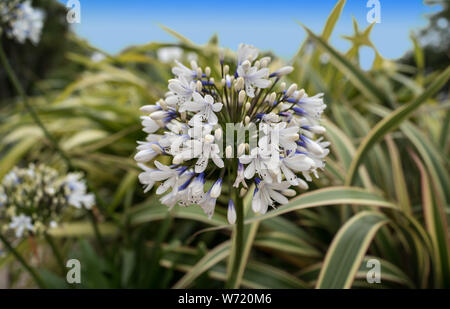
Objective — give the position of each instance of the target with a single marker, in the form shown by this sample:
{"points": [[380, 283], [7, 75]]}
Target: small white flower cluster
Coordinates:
{"points": [[191, 125], [35, 198], [21, 21]]}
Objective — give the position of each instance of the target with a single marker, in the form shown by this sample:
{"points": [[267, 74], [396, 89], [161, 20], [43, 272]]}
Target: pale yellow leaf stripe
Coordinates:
{"points": [[348, 248]]}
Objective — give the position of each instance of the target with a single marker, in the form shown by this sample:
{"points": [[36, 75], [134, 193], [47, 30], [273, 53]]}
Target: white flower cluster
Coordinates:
{"points": [[190, 127], [21, 21], [35, 198]]}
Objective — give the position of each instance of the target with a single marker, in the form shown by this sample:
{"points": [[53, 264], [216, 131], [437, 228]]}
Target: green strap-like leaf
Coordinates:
{"points": [[328, 196], [437, 227], [389, 273], [358, 78], [153, 211], [347, 250], [287, 243], [392, 121], [213, 257]]}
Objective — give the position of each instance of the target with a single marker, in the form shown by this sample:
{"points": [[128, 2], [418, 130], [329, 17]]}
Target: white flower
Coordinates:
{"points": [[294, 163], [205, 108], [208, 204], [246, 52], [253, 78], [266, 193], [150, 125], [169, 54], [28, 23], [258, 162], [181, 92], [147, 151], [97, 57], [183, 71], [78, 196], [21, 224]]}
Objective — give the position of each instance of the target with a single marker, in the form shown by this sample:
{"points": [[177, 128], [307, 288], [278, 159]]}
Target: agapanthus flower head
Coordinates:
{"points": [[232, 124], [19, 20], [35, 198]]}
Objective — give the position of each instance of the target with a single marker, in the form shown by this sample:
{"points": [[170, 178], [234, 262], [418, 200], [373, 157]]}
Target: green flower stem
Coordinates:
{"points": [[16, 84], [238, 242], [98, 233], [56, 252], [24, 263]]}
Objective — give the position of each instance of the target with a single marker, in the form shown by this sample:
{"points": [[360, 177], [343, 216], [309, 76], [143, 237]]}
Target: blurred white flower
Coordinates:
{"points": [[169, 54], [27, 23], [78, 196], [21, 224]]}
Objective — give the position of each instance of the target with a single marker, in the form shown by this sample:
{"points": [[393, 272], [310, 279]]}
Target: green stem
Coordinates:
{"points": [[238, 243], [57, 254], [98, 235], [16, 84], [22, 261]]}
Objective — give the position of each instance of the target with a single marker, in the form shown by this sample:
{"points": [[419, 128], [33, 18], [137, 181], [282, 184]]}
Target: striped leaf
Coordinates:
{"points": [[393, 121], [213, 257], [437, 227], [328, 196], [358, 78], [347, 250]]}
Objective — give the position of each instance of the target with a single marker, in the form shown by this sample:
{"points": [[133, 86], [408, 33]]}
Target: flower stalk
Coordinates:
{"points": [[237, 244], [23, 262]]}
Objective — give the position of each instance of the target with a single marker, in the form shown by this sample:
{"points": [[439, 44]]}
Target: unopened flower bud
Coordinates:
{"points": [[239, 84], [229, 152], [226, 69], [289, 192], [216, 188], [241, 149], [273, 97], [199, 72], [241, 96], [291, 90], [243, 192], [284, 71], [302, 184], [158, 115], [199, 86], [218, 134], [231, 215], [156, 148], [299, 95], [150, 108], [208, 71]]}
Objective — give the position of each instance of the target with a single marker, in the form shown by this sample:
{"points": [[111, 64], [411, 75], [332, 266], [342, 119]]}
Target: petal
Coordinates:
{"points": [[250, 170]]}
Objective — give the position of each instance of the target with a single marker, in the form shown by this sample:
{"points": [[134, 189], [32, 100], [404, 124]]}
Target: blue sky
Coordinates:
{"points": [[113, 25]]}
